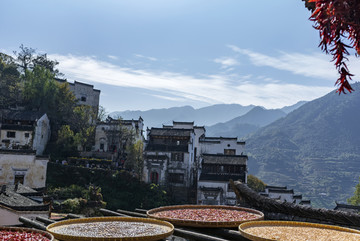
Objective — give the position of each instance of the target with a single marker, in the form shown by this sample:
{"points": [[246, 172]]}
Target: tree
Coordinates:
{"points": [[338, 22], [40, 90], [65, 143], [118, 136], [27, 60], [255, 183], [24, 58], [135, 158], [10, 94], [355, 200], [83, 125]]}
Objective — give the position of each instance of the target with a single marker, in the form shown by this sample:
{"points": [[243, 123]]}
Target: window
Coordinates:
{"points": [[27, 135], [176, 177], [177, 156], [83, 99], [10, 134], [19, 179], [229, 151]]}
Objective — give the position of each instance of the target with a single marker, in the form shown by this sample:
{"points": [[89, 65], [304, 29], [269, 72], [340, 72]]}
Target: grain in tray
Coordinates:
{"points": [[296, 233]]}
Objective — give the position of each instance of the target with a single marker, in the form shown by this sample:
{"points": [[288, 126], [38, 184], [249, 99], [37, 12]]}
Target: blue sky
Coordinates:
{"points": [[145, 54]]}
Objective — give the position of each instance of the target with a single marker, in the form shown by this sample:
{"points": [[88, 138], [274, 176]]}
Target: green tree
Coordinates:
{"points": [[135, 158], [40, 91], [255, 183], [83, 125], [355, 200], [27, 60], [65, 144], [10, 94]]}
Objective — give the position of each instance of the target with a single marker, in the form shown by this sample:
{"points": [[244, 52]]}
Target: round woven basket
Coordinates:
{"points": [[28, 230], [204, 224], [168, 229], [298, 226]]}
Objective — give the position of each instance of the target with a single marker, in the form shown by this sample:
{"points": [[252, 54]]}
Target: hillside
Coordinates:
{"points": [[314, 149], [245, 124]]}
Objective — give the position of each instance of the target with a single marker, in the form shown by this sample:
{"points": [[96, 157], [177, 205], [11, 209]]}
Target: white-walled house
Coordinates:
{"points": [[24, 130], [25, 168], [84, 93], [195, 168], [221, 159], [170, 158], [282, 194]]}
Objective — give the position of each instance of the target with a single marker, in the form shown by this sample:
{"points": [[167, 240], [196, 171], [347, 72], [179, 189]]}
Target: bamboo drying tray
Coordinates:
{"points": [[204, 224], [28, 230], [342, 232], [168, 229]]}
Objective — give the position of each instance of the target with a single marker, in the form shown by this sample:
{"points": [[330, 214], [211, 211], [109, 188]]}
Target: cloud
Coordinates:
{"points": [[226, 62], [211, 89], [112, 57], [145, 57], [314, 65]]}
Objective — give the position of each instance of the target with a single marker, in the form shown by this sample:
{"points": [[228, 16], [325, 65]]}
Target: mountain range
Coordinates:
{"points": [[314, 149], [208, 116]]}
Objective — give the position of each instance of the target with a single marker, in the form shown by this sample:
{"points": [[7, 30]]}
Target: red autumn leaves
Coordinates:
{"points": [[338, 21]]}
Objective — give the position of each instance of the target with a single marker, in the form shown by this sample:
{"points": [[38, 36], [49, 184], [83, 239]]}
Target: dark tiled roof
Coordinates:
{"points": [[297, 196], [275, 187], [291, 191], [22, 115], [202, 188], [222, 177], [183, 123], [224, 159], [170, 132], [22, 189], [344, 207], [17, 127], [291, 210], [166, 148], [157, 157], [18, 202]]}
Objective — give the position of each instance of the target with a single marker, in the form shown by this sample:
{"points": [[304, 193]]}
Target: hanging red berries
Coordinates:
{"points": [[338, 22]]}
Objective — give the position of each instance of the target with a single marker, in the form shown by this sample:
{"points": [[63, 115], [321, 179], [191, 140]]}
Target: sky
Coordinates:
{"points": [[149, 54]]}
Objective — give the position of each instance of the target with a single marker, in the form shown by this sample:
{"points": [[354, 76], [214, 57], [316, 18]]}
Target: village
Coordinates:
{"points": [[194, 168]]}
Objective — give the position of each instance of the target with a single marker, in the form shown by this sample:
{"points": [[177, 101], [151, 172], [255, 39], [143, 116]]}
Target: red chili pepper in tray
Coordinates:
{"points": [[6, 235]]}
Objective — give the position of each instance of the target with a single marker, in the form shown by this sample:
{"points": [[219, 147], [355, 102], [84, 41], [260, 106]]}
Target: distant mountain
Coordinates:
{"points": [[288, 109], [245, 124], [204, 116], [314, 149]]}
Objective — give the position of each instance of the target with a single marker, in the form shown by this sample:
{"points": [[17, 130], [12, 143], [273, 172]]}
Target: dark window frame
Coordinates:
{"points": [[11, 134]]}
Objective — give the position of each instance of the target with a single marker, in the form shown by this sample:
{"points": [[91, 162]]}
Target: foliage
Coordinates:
{"points": [[65, 143], [83, 125], [72, 191], [355, 200], [255, 183], [9, 82], [40, 90], [134, 159], [120, 190], [79, 199], [27, 60], [338, 22]]}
